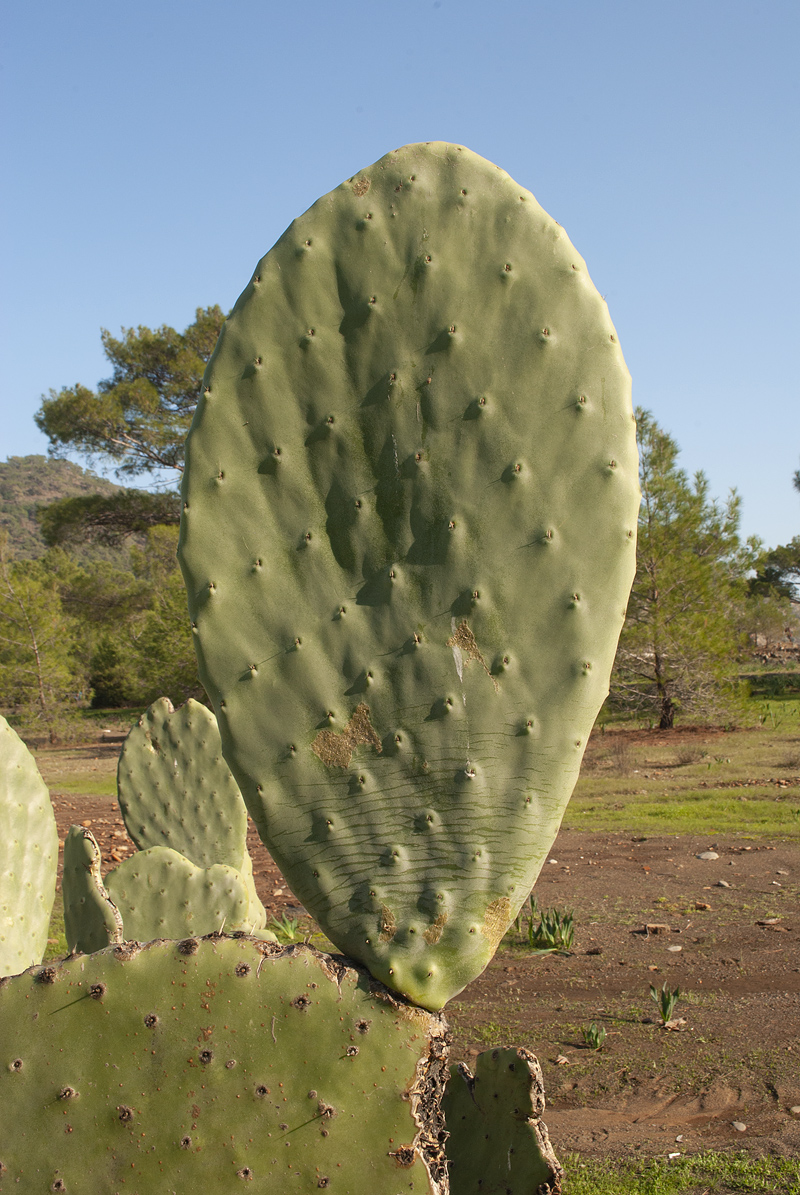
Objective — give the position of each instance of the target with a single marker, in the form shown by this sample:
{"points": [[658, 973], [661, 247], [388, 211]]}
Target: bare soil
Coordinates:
{"points": [[729, 939]]}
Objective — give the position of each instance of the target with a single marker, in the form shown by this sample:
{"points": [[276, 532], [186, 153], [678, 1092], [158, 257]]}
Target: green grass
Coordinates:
{"points": [[56, 938], [710, 812], [85, 784], [706, 782], [711, 1173]]}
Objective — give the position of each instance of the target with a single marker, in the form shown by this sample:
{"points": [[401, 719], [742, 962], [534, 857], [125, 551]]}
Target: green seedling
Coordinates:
{"points": [[554, 933], [594, 1035], [665, 1000], [286, 929]]}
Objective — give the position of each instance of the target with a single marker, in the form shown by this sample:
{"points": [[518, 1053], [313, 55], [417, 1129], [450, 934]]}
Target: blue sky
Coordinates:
{"points": [[153, 151]]}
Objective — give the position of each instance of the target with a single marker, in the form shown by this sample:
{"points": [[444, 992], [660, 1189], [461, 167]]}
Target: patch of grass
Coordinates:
{"points": [[759, 813], [492, 1034], [709, 1173], [56, 938], [85, 784]]}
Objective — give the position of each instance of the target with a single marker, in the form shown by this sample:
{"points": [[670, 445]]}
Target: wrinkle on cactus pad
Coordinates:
{"points": [[408, 538]]}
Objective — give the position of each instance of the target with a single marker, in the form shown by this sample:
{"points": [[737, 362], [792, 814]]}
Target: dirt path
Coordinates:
{"points": [[729, 938]]}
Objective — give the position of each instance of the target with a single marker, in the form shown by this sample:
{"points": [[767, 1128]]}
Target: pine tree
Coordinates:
{"points": [[681, 641]]}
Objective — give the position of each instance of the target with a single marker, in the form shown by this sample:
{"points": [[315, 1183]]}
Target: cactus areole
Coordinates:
{"points": [[408, 539]]}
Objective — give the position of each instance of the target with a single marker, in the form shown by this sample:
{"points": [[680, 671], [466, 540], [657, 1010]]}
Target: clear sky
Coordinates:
{"points": [[154, 150]]}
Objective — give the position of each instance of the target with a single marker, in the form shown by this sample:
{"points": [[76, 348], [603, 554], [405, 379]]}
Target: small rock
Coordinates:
{"points": [[656, 927], [679, 1137], [781, 872], [701, 906], [777, 884], [769, 921], [739, 1125], [87, 823], [553, 861], [795, 1111], [595, 950], [708, 855], [652, 967], [674, 949], [723, 884], [562, 1061]]}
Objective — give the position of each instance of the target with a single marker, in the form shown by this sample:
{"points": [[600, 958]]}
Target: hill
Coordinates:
{"points": [[27, 482]]}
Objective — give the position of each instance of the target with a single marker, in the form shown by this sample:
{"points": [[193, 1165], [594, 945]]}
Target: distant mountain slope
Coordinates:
{"points": [[27, 482]]}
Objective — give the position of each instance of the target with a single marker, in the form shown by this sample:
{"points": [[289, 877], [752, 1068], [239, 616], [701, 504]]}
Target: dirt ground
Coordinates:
{"points": [[726, 931]]}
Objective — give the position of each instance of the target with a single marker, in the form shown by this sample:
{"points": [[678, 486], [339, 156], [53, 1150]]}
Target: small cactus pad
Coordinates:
{"points": [[91, 919], [175, 789], [408, 538], [200, 1065], [161, 894], [498, 1141], [28, 856]]}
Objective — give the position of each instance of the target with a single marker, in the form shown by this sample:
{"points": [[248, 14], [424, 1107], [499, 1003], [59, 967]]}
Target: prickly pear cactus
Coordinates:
{"points": [[91, 919], [498, 1141], [408, 537], [176, 790], [156, 893], [28, 856], [193, 1066]]}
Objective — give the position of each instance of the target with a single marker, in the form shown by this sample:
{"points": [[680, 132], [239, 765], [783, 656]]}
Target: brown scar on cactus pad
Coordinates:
{"points": [[495, 921], [336, 749], [463, 639], [434, 932], [388, 925]]}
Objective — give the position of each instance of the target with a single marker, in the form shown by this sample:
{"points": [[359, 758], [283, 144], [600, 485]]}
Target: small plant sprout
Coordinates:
{"points": [[286, 929], [665, 1000], [554, 931], [594, 1035]]}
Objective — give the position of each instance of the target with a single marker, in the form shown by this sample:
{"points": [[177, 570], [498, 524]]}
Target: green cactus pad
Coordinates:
{"points": [[175, 789], [161, 894], [28, 856], [196, 1066], [91, 919], [408, 537], [498, 1141]]}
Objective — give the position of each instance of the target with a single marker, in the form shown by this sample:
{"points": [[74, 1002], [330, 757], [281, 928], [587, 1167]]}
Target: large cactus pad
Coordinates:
{"points": [[408, 539], [198, 1065], [28, 855]]}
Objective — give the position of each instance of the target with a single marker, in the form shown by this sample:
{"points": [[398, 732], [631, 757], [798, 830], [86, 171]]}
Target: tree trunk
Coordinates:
{"points": [[667, 714]]}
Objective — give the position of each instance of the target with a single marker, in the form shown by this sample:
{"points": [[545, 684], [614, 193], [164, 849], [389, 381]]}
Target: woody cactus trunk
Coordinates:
{"points": [[408, 538]]}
